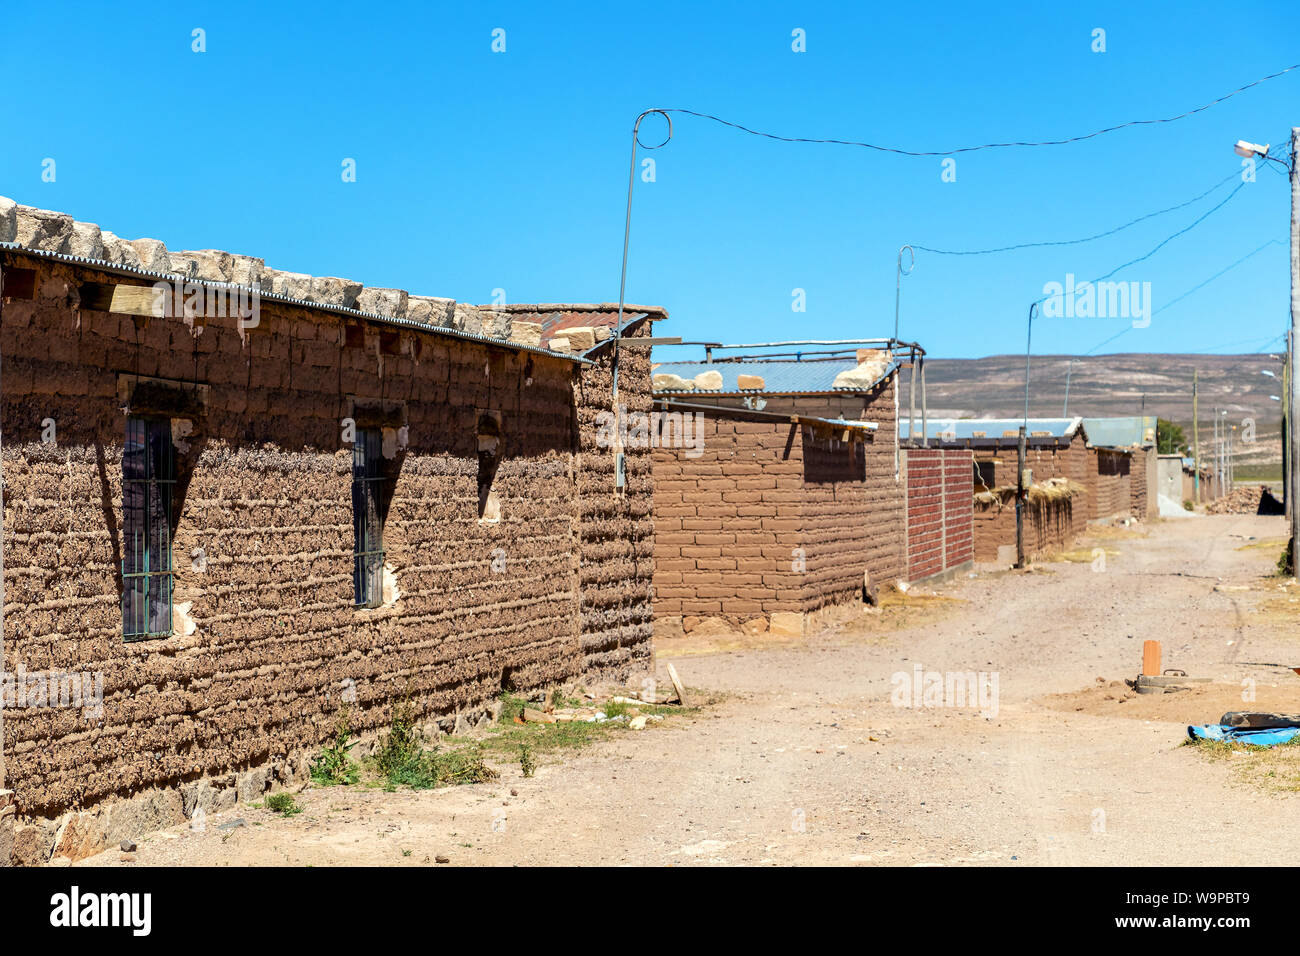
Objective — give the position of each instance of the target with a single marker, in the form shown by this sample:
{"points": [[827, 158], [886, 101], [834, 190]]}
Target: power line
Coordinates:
{"points": [[969, 149], [1195, 288], [1075, 242], [1160, 245]]}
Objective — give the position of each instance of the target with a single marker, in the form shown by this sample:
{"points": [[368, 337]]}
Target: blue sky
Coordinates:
{"points": [[479, 170]]}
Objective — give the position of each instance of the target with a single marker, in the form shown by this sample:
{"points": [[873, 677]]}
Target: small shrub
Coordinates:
{"points": [[334, 766], [1188, 506], [402, 762], [614, 708], [511, 707], [283, 804], [400, 748], [1284, 561], [526, 761]]}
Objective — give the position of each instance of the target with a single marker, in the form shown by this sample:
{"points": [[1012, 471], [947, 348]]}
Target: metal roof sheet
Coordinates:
{"points": [[1122, 432], [990, 429]]}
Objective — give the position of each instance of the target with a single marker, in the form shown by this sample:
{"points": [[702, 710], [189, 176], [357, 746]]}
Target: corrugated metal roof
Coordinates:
{"points": [[1122, 432], [990, 429], [779, 376]]}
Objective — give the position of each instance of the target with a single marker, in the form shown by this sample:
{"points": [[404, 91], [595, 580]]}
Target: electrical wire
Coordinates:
{"points": [[1195, 288], [970, 149], [1075, 242], [1199, 286], [1160, 245]]}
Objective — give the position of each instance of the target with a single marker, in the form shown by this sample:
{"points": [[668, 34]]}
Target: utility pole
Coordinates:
{"points": [[1214, 457], [1196, 439], [1293, 401], [1232, 448], [1019, 501], [1286, 429]]}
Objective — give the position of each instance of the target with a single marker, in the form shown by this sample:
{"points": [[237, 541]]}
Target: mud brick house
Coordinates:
{"points": [[1125, 449], [237, 508], [786, 501], [1058, 462]]}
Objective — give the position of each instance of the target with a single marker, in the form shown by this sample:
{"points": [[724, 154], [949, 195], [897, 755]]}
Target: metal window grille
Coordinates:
{"points": [[367, 478], [148, 480]]}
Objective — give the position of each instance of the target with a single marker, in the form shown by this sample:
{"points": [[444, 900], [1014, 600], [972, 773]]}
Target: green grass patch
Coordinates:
{"points": [[283, 804]]}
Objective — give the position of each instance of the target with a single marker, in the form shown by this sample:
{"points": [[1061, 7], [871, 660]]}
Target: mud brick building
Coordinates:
{"points": [[272, 494], [791, 503], [1060, 467], [1126, 455]]}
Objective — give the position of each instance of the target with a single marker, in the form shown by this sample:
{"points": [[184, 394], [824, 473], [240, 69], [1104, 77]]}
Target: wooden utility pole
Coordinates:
{"points": [[1020, 499], [1292, 400], [1286, 427], [1196, 437]]}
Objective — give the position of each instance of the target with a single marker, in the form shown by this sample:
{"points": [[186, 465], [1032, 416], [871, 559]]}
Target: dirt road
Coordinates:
{"points": [[806, 758]]}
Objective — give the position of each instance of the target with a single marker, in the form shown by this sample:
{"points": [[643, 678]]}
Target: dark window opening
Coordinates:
{"points": [[148, 483], [368, 518], [985, 473], [489, 449], [19, 284], [354, 336]]}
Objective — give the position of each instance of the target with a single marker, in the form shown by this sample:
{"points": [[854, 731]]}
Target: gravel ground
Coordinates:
{"points": [[804, 758]]}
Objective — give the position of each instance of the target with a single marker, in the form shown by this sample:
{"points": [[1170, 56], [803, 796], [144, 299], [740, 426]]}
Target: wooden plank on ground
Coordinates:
{"points": [[677, 685]]}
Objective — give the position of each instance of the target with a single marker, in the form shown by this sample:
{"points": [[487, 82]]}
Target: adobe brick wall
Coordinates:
{"points": [[727, 524], [616, 530], [854, 500], [1109, 484], [1049, 525], [266, 494], [940, 519], [732, 526], [1142, 481]]}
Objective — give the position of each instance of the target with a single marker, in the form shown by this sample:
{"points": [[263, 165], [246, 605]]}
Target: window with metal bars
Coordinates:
{"points": [[148, 481], [367, 518]]}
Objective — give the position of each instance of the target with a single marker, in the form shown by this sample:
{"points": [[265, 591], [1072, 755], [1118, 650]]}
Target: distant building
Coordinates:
{"points": [[1060, 473], [1126, 450], [790, 503]]}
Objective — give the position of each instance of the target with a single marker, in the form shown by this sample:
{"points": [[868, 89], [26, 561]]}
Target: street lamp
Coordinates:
{"points": [[1291, 449]]}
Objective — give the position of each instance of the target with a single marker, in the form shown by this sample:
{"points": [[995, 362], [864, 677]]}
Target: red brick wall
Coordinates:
{"points": [[940, 528]]}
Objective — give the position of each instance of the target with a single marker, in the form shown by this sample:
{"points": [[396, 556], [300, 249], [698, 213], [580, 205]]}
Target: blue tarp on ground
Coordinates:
{"points": [[1267, 737]]}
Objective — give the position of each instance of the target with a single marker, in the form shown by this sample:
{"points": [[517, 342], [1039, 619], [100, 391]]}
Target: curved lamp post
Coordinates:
{"points": [[627, 227], [898, 279]]}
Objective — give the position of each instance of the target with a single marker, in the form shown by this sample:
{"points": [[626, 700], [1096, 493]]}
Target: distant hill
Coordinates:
{"points": [[1108, 385], [1104, 385]]}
